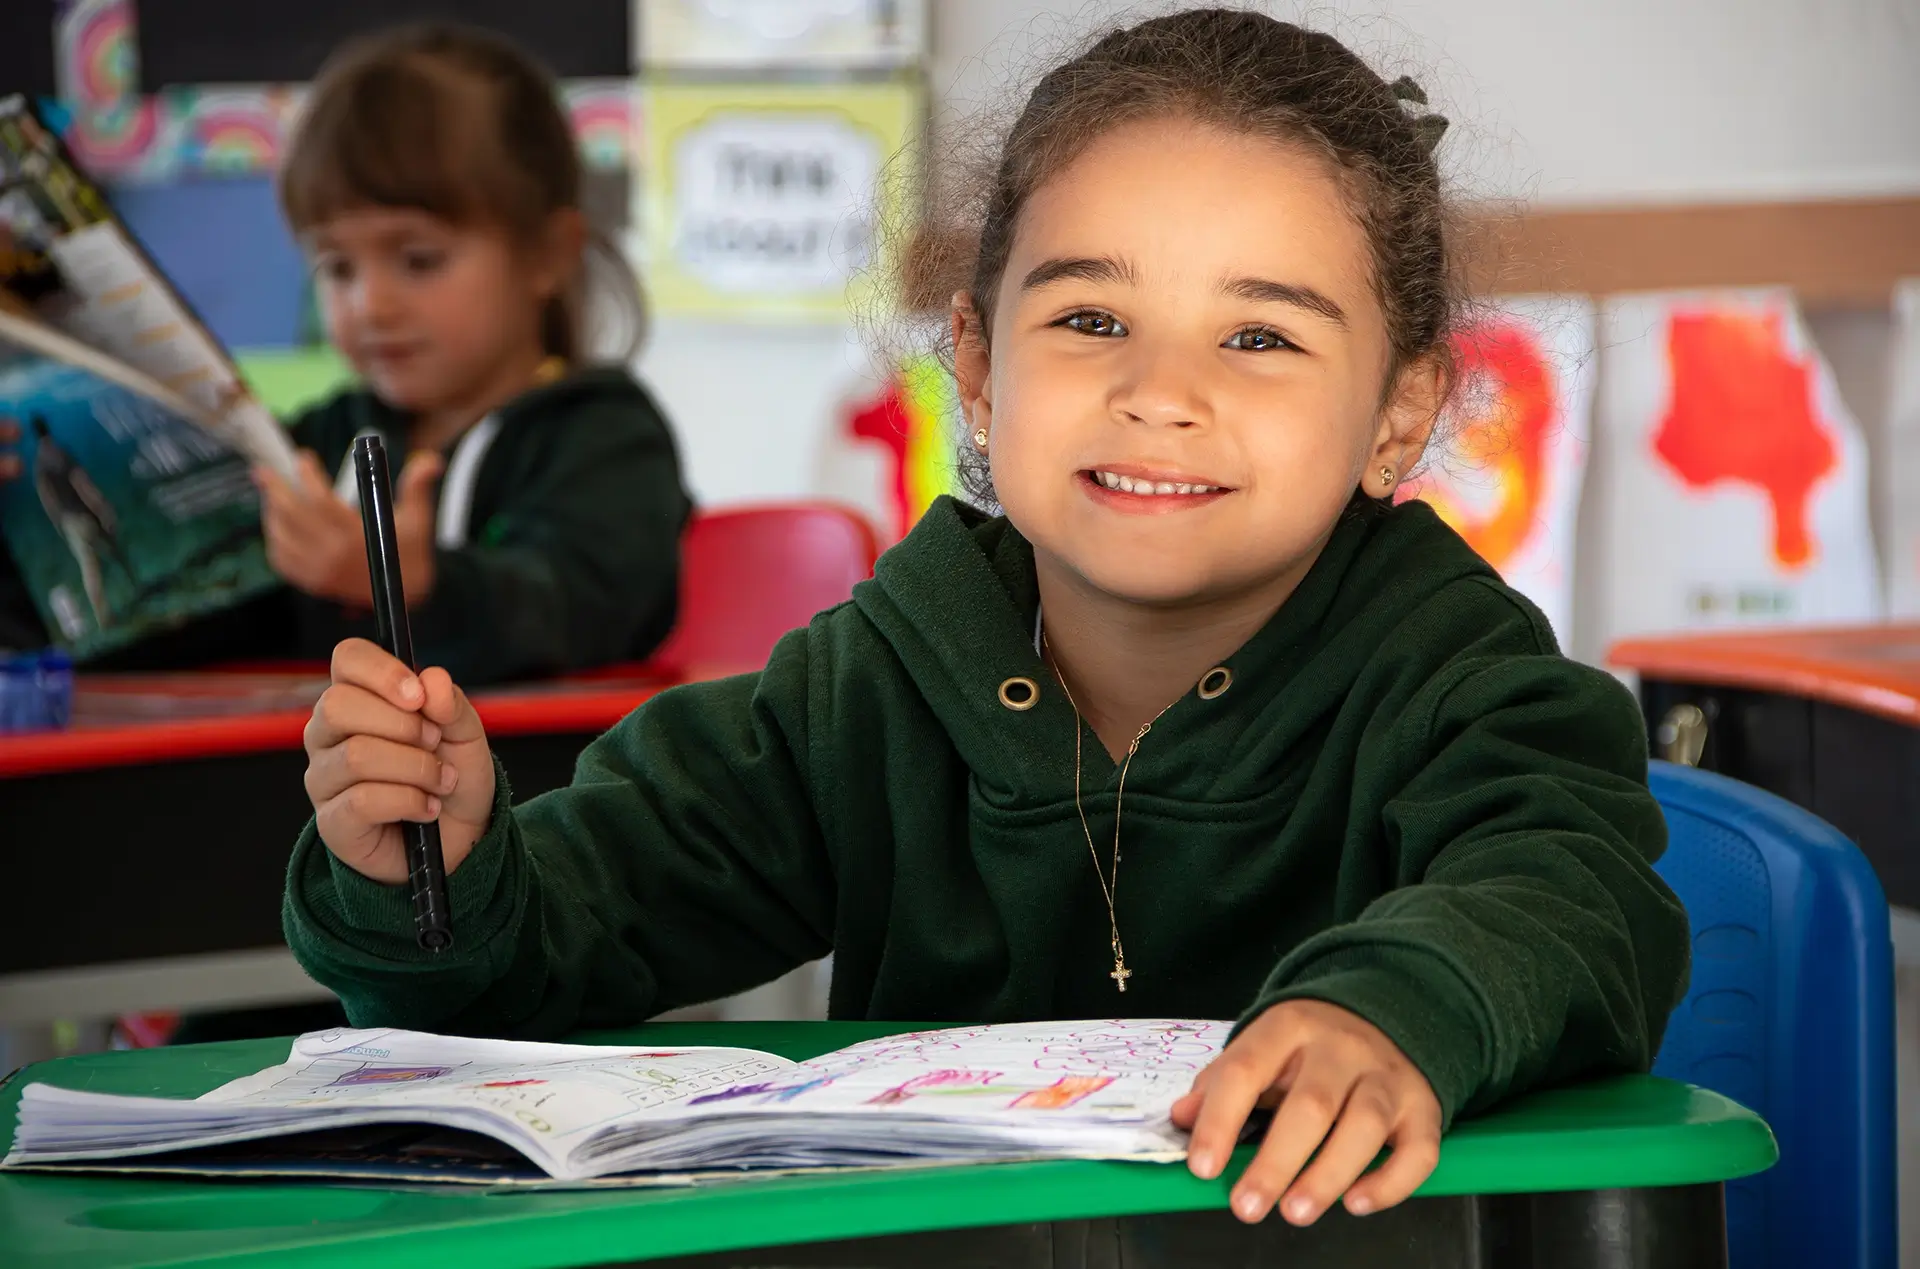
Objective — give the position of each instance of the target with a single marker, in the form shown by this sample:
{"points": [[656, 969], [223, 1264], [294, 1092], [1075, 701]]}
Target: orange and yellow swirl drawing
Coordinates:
{"points": [[1497, 443]]}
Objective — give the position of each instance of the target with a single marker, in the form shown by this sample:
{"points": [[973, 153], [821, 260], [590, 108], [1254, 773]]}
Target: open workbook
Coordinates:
{"points": [[405, 1105]]}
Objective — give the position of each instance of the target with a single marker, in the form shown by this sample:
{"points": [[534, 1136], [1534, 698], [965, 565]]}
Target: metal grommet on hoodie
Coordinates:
{"points": [[1019, 693], [1214, 682]]}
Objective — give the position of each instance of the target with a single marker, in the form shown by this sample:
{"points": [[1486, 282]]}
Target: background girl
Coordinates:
{"points": [[436, 185]]}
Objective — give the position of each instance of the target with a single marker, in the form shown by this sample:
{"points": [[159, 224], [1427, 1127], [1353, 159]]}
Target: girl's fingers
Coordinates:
{"points": [[1187, 1108], [314, 484], [1230, 1096], [367, 665], [345, 710], [1311, 1105], [372, 760], [1363, 1128], [1416, 1151], [448, 706]]}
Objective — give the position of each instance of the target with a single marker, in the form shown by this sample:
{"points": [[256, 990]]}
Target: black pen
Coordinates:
{"points": [[426, 867]]}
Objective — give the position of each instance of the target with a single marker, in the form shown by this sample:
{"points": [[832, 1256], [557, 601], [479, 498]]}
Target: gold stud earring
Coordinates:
{"points": [[1386, 476], [980, 438]]}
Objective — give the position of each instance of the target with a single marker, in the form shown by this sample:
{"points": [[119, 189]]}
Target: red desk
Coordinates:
{"points": [[159, 825]]}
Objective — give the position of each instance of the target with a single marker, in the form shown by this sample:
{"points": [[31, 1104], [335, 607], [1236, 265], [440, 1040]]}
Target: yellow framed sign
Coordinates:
{"points": [[765, 200]]}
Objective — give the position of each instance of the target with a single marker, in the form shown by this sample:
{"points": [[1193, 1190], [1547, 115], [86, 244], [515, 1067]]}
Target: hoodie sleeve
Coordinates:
{"points": [[684, 863], [582, 556], [1528, 940]]}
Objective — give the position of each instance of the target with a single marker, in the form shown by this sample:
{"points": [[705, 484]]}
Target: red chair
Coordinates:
{"points": [[750, 574]]}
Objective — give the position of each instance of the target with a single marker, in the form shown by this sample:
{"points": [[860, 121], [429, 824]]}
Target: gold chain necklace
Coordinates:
{"points": [[1108, 887]]}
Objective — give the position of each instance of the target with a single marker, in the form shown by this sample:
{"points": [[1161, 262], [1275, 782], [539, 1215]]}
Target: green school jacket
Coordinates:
{"points": [[559, 529], [1407, 803]]}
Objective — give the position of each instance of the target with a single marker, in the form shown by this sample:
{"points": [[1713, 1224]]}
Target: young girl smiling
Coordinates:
{"points": [[1201, 726]]}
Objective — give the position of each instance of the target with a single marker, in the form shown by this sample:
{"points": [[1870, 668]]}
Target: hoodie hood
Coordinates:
{"points": [[957, 600]]}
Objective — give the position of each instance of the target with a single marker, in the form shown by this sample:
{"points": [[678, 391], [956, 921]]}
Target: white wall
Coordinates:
{"points": [[1566, 101], [1593, 101]]}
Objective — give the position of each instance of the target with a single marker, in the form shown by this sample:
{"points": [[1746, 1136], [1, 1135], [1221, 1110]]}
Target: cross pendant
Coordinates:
{"points": [[1120, 973]]}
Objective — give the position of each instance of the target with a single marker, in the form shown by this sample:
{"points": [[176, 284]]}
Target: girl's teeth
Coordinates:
{"points": [[1127, 484]]}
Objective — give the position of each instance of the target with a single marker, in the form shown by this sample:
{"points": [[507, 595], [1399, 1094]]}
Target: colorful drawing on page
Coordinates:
{"points": [[1125, 1046], [936, 1082], [767, 1093], [1062, 1093], [510, 1083], [370, 1073]]}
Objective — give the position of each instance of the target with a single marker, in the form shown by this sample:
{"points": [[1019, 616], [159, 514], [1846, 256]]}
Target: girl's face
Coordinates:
{"points": [[1186, 369], [431, 314]]}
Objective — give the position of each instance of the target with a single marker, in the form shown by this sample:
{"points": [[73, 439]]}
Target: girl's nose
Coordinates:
{"points": [[1161, 388]]}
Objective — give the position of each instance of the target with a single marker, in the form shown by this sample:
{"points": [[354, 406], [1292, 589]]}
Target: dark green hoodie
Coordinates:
{"points": [[565, 550], [1407, 803]]}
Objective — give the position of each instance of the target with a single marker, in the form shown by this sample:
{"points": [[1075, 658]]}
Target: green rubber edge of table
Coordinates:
{"points": [[288, 380], [1630, 1131]]}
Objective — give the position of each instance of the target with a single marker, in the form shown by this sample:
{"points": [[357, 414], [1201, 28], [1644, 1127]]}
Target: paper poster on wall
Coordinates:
{"points": [[707, 34], [1735, 479], [764, 200], [1903, 455], [1506, 471]]}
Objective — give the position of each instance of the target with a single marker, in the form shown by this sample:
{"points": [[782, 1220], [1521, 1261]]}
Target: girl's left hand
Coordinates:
{"points": [[315, 541], [1341, 1087]]}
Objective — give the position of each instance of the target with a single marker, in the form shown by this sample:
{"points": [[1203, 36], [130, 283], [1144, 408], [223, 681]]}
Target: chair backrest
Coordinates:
{"points": [[1790, 1013], [750, 574]]}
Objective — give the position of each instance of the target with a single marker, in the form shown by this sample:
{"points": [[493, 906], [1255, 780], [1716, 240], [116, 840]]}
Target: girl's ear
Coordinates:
{"points": [[971, 364], [1407, 422], [562, 247]]}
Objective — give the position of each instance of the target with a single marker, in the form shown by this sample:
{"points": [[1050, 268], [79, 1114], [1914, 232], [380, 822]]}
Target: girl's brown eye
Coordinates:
{"points": [[1089, 323], [1258, 339]]}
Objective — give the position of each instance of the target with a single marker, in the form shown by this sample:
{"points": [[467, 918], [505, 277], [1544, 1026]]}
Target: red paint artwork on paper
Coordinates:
{"points": [[1742, 412]]}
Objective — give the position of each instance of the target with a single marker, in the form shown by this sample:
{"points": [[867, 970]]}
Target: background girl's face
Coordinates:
{"points": [[429, 313], [1185, 373]]}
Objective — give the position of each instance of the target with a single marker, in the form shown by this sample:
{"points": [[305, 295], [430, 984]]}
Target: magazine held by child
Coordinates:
{"points": [[1039, 1090], [135, 511]]}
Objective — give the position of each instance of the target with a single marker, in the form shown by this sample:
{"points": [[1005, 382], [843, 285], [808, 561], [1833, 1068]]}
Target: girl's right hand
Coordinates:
{"points": [[386, 746]]}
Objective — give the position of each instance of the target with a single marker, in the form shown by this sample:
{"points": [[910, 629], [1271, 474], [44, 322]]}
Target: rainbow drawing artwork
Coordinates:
{"points": [[235, 131], [602, 113]]}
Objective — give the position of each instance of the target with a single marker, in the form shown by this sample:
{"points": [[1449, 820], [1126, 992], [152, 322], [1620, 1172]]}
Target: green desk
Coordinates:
{"points": [[1624, 1172]]}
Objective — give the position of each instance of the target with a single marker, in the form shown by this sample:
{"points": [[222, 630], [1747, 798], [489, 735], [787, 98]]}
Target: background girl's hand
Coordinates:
{"points": [[315, 540], [9, 457], [385, 746], [1341, 1088]]}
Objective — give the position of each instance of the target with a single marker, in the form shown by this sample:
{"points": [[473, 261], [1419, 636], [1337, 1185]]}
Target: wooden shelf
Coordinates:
{"points": [[1831, 253]]}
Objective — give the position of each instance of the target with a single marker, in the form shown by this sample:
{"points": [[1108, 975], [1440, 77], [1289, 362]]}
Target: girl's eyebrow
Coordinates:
{"points": [[1266, 291], [1081, 268]]}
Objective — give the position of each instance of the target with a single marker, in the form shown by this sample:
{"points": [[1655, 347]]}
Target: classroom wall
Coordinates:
{"points": [[1599, 101], [1578, 102]]}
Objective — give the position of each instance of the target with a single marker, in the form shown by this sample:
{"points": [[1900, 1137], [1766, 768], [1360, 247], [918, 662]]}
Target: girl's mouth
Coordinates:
{"points": [[1138, 491]]}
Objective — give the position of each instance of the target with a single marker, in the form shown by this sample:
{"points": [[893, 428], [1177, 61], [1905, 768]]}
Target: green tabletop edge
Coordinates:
{"points": [[1627, 1131]]}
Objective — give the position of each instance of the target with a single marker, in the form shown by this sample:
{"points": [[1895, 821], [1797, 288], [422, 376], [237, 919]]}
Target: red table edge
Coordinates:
{"points": [[1790, 672], [590, 709]]}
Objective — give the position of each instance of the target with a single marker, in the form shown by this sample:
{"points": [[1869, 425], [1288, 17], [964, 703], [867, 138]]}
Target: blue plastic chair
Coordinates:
{"points": [[1790, 1013]]}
